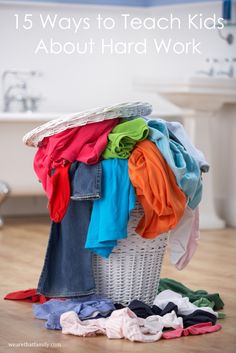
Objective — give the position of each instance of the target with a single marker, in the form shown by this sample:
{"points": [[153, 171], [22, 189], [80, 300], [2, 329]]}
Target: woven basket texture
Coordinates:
{"points": [[133, 269], [64, 122]]}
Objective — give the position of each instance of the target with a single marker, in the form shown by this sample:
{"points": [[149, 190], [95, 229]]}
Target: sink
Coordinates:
{"points": [[200, 99], [197, 93], [16, 159]]}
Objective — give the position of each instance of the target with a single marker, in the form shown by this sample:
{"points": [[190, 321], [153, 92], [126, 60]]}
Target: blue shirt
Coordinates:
{"points": [[110, 214], [183, 165], [88, 307]]}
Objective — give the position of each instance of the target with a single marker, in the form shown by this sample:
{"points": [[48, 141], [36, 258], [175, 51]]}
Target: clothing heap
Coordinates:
{"points": [[93, 176], [174, 313]]}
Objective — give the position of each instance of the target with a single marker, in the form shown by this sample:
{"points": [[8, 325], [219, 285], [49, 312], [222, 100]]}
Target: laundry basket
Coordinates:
{"points": [[133, 269]]}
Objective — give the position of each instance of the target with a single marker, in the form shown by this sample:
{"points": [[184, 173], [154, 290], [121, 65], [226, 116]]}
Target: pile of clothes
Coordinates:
{"points": [[176, 311], [93, 176]]}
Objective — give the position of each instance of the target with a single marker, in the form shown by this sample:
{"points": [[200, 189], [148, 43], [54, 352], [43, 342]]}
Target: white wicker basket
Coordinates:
{"points": [[133, 269], [64, 122]]}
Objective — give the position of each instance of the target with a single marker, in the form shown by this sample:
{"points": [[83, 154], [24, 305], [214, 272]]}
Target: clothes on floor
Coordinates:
{"points": [[206, 302], [143, 310], [197, 329], [178, 133], [67, 270], [156, 323], [27, 295], [123, 138], [183, 239], [84, 144], [87, 307], [183, 165], [110, 214], [122, 323], [162, 200], [167, 283], [92, 315], [198, 316], [185, 307]]}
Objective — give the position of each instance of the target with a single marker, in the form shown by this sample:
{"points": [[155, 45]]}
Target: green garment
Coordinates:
{"points": [[167, 283], [201, 302], [204, 302], [123, 138], [221, 315]]}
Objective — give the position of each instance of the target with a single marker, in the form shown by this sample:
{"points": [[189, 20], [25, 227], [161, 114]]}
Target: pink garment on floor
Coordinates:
{"points": [[197, 329], [122, 323], [84, 144], [183, 239], [28, 295]]}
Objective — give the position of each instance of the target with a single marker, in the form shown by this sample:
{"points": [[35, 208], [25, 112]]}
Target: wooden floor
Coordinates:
{"points": [[22, 248]]}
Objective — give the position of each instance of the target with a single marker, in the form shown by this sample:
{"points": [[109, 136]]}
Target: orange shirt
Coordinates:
{"points": [[156, 189]]}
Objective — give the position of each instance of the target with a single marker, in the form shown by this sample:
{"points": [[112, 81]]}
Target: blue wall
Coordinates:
{"points": [[140, 3], [172, 2]]}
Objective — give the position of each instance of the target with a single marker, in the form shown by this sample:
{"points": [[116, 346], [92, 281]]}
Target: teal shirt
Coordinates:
{"points": [[184, 166], [110, 214]]}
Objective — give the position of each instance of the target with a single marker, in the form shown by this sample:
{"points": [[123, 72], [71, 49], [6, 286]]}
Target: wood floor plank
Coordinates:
{"points": [[22, 248]]}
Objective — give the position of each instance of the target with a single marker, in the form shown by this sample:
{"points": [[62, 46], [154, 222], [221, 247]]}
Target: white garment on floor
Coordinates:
{"points": [[183, 303], [156, 323], [183, 238]]}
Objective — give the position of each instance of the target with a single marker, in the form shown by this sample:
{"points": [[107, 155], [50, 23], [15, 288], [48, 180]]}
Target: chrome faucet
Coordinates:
{"points": [[12, 95], [230, 72], [17, 91], [210, 72]]}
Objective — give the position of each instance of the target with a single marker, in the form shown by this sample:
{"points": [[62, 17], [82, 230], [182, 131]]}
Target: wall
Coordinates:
{"points": [[86, 81], [72, 83]]}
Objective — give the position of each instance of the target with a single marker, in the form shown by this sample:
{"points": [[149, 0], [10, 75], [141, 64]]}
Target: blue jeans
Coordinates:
{"points": [[67, 270]]}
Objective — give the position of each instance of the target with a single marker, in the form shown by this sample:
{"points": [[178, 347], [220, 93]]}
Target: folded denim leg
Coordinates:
{"points": [[87, 187]]}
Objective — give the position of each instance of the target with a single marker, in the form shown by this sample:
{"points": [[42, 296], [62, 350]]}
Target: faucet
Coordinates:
{"points": [[17, 91], [230, 72], [10, 96], [4, 192], [210, 72]]}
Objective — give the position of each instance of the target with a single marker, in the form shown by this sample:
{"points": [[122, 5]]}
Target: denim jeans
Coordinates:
{"points": [[86, 183], [67, 270]]}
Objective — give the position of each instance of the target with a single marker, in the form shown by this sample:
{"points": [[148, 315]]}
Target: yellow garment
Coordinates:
{"points": [[156, 189]]}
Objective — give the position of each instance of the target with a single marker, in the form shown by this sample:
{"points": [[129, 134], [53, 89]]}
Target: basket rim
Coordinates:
{"points": [[66, 121]]}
